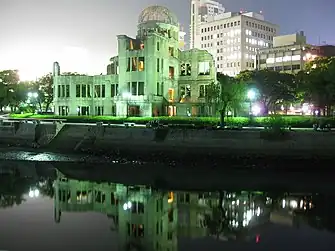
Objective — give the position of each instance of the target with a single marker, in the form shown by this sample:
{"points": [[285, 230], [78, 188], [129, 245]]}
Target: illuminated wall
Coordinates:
{"points": [[141, 81], [289, 58]]}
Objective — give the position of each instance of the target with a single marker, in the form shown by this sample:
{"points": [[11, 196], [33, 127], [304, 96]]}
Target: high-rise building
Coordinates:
{"points": [[200, 11], [233, 38]]}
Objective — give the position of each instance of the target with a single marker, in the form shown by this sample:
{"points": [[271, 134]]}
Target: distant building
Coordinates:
{"points": [[233, 38], [290, 53], [144, 79], [182, 43], [324, 50], [201, 10]]}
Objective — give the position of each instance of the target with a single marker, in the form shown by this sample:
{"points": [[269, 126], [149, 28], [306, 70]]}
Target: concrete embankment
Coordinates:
{"points": [[144, 140], [28, 134], [73, 138]]}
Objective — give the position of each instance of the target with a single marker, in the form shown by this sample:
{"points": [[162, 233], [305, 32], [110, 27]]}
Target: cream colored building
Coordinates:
{"points": [[233, 38], [143, 80], [288, 54]]}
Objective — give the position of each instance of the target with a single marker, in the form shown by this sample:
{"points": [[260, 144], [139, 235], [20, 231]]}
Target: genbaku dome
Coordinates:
{"points": [[151, 76]]}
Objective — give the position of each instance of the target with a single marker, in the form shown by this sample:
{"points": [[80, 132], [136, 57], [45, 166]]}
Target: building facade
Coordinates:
{"points": [[290, 53], [200, 11], [143, 80], [232, 38]]}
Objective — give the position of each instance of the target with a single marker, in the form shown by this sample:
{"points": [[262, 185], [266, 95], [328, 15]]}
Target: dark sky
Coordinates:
{"points": [[81, 34]]}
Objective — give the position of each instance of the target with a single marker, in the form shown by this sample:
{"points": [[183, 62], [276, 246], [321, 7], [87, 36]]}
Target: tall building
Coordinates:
{"points": [[233, 38], [144, 79], [200, 11]]}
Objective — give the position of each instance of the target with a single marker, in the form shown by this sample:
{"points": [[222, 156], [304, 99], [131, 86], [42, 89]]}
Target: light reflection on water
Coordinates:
{"points": [[161, 217], [58, 157]]}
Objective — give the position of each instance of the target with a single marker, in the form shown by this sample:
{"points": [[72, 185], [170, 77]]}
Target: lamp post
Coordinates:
{"points": [[32, 96], [127, 96], [34, 193], [251, 96]]}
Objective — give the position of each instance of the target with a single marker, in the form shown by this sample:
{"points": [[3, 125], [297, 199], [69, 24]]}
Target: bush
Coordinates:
{"points": [[199, 122], [276, 123], [276, 129]]}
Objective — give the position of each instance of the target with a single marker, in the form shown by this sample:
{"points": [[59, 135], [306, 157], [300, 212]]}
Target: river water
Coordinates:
{"points": [[50, 207]]}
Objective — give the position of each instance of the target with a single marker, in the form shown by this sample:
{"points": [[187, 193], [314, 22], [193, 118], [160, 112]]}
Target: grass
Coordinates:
{"points": [[285, 121]]}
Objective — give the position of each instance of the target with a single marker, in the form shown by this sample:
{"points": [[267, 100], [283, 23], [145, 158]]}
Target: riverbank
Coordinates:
{"points": [[204, 161], [170, 144]]}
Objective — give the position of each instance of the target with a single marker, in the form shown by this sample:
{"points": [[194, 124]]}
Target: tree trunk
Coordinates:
{"points": [[222, 115], [47, 107]]}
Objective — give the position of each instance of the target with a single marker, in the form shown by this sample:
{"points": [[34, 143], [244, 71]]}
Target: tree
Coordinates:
{"points": [[44, 89], [318, 82], [227, 93], [46, 187], [9, 77], [273, 87], [12, 92], [12, 189]]}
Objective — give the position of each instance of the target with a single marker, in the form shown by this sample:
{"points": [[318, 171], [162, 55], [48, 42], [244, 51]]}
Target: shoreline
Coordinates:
{"points": [[236, 160], [172, 147]]}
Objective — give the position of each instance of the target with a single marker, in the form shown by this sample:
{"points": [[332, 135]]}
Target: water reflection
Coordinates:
{"points": [[150, 218], [16, 187], [155, 220]]}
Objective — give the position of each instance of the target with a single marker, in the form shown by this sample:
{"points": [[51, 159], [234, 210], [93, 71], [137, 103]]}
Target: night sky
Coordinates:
{"points": [[81, 35]]}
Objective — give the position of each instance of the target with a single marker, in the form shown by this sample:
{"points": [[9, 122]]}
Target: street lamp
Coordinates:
{"points": [[127, 96], [251, 97], [127, 206], [34, 193], [32, 96]]}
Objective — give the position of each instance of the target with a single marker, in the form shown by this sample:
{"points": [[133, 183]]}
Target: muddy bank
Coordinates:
{"points": [[200, 161]]}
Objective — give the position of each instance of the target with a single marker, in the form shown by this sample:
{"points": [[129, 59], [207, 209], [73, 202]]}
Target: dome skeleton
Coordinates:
{"points": [[159, 14]]}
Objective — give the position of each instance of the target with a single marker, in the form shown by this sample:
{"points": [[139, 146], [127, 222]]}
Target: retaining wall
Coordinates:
{"points": [[44, 134], [28, 134], [145, 139], [80, 137], [70, 136], [7, 131]]}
